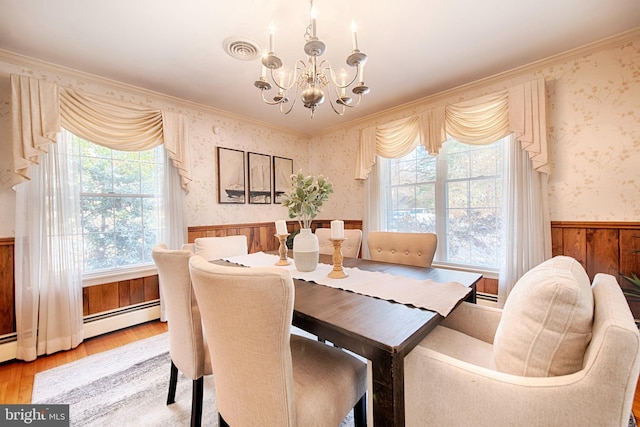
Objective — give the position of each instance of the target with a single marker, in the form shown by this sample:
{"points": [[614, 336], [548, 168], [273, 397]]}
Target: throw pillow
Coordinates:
{"points": [[546, 321]]}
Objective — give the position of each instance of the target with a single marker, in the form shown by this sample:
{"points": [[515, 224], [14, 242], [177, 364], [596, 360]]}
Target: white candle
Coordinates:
{"points": [[314, 14], [337, 229], [281, 227], [272, 31], [354, 36]]}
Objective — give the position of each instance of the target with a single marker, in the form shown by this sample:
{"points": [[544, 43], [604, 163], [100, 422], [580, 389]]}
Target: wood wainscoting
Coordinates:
{"points": [[7, 295], [601, 247], [260, 235]]}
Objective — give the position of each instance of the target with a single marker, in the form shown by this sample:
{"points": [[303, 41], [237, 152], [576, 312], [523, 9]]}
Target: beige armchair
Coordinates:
{"points": [[350, 246], [264, 376], [212, 248], [187, 347], [402, 248], [562, 352]]}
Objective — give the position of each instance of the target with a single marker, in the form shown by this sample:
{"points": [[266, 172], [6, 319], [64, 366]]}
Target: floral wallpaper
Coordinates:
{"points": [[7, 195], [594, 142], [207, 130], [594, 128], [593, 109]]}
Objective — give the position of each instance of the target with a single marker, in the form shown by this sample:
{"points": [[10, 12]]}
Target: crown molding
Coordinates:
{"points": [[520, 71], [399, 110], [37, 64]]}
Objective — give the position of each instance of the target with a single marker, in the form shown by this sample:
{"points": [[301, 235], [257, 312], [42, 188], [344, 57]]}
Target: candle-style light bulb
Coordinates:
{"points": [[314, 16], [272, 32], [354, 36], [361, 73], [343, 81]]}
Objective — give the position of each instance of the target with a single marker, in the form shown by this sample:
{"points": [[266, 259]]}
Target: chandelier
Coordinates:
{"points": [[311, 78]]}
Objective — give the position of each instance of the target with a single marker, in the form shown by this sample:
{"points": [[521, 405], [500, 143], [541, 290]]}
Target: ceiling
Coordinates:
{"points": [[415, 48]]}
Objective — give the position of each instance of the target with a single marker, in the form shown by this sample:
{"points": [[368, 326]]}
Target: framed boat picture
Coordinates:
{"points": [[231, 183], [259, 166], [282, 171]]}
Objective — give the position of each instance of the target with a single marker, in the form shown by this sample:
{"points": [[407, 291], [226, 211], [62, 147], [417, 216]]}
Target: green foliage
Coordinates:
{"points": [[290, 238], [306, 196], [634, 280], [120, 202]]}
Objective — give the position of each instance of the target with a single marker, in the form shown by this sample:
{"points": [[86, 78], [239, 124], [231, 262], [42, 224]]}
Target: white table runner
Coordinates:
{"points": [[427, 294]]}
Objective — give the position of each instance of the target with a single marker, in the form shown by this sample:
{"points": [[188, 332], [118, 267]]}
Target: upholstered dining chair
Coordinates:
{"points": [[266, 376], [187, 346], [563, 351], [213, 248], [415, 249], [350, 246]]}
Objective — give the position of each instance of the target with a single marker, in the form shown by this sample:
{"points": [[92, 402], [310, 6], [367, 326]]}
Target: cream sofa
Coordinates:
{"points": [[562, 352]]}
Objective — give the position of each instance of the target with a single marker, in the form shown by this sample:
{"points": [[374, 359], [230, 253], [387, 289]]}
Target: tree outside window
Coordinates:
{"points": [[457, 195], [120, 199]]}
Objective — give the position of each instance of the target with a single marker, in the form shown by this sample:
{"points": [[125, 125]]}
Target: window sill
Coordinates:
{"points": [[118, 275], [486, 273]]}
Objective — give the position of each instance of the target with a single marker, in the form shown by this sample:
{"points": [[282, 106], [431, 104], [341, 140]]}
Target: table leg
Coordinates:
{"points": [[388, 390]]}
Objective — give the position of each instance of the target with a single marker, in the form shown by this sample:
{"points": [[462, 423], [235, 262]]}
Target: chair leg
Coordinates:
{"points": [[360, 412], [173, 381], [221, 421], [196, 402]]}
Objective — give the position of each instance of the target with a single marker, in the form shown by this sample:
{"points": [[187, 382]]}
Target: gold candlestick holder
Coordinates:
{"points": [[337, 272], [282, 250]]}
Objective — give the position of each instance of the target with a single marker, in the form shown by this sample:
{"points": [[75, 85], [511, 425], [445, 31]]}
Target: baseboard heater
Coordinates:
{"points": [[487, 297], [109, 321], [119, 311], [96, 324], [8, 338]]}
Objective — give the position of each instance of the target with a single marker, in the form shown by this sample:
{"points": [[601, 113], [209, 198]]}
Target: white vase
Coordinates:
{"points": [[306, 250]]}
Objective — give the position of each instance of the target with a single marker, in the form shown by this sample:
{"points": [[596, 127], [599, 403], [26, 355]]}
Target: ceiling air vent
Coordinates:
{"points": [[242, 48]]}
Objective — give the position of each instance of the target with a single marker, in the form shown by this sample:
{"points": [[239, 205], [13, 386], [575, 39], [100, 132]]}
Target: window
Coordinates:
{"points": [[457, 195], [120, 200]]}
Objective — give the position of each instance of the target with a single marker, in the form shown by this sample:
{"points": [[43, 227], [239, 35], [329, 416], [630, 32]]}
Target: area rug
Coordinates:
{"points": [[124, 387]]}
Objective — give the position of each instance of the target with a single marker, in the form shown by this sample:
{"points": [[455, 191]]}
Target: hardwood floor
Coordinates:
{"points": [[16, 378]]}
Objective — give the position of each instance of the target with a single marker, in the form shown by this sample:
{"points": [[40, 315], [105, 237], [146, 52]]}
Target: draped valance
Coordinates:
{"points": [[520, 110], [39, 109]]}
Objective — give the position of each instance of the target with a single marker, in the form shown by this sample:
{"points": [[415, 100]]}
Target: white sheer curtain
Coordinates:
{"points": [[48, 265], [526, 227], [519, 111], [173, 232], [38, 110], [375, 207]]}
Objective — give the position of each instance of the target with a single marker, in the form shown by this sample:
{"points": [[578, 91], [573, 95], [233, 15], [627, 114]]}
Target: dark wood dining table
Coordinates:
{"points": [[378, 330]]}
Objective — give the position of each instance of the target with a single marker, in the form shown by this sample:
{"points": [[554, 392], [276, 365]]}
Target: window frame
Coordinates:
{"points": [[441, 206], [132, 271]]}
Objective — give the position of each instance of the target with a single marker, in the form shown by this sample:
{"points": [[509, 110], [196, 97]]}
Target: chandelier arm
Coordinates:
{"points": [[291, 81], [345, 85], [266, 101], [295, 98], [340, 113], [356, 104]]}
